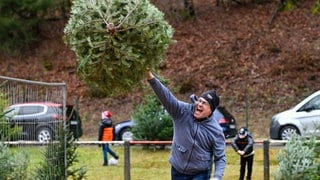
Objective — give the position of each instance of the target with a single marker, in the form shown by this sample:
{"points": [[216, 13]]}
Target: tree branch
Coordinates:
{"points": [[280, 5], [125, 19]]}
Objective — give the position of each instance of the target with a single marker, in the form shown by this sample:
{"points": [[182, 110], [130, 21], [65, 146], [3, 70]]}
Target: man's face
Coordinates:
{"points": [[242, 136], [202, 109]]}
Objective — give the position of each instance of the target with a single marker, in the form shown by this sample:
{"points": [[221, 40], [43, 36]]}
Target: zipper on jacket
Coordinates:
{"points": [[194, 142]]}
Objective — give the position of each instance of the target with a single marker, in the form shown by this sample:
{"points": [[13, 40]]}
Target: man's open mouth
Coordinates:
{"points": [[199, 110]]}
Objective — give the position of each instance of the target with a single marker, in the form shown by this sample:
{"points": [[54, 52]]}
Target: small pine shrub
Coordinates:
{"points": [[13, 165], [152, 121], [53, 165], [299, 160]]}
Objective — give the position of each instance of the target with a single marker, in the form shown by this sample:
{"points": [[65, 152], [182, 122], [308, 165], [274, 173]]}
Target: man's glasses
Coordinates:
{"points": [[203, 102]]}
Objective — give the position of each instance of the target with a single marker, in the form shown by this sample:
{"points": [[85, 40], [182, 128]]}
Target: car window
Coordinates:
{"points": [[54, 110], [10, 112], [27, 110], [313, 104]]}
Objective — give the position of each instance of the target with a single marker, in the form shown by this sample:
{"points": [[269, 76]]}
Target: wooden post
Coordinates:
{"points": [[127, 160], [266, 159]]}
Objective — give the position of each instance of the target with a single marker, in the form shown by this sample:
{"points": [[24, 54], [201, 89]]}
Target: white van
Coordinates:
{"points": [[303, 119]]}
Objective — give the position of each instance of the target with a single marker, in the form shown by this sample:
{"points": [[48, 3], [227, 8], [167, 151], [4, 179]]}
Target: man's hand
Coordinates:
{"points": [[241, 153], [149, 75]]}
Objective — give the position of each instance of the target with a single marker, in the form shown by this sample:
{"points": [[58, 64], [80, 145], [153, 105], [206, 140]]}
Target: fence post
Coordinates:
{"points": [[266, 159], [127, 160]]}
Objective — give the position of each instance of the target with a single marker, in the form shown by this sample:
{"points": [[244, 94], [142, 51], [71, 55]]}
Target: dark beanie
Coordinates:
{"points": [[212, 98]]}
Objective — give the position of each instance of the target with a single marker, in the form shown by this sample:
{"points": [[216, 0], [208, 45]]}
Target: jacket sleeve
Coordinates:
{"points": [[234, 143], [167, 99], [249, 146], [219, 157]]}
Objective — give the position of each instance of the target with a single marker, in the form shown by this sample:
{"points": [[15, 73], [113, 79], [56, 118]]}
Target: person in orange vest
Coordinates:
{"points": [[106, 133]]}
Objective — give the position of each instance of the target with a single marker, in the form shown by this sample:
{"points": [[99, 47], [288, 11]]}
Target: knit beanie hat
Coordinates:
{"points": [[212, 98]]}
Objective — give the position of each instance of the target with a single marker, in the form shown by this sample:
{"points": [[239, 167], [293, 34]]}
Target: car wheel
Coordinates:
{"points": [[125, 134], [44, 134], [287, 131]]}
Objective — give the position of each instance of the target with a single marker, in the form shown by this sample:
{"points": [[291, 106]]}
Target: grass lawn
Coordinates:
{"points": [[153, 164], [149, 163]]}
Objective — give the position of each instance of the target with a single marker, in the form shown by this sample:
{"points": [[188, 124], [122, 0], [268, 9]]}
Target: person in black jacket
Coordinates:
{"points": [[243, 145]]}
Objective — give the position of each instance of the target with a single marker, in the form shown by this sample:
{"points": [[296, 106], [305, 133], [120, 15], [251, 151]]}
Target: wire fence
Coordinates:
{"points": [[32, 113]]}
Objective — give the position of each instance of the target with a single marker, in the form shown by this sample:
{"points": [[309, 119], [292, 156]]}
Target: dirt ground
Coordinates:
{"points": [[258, 68]]}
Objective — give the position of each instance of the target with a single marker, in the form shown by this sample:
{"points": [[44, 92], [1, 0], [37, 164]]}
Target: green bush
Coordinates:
{"points": [[7, 132], [13, 165], [316, 7], [288, 5], [299, 160], [152, 121]]}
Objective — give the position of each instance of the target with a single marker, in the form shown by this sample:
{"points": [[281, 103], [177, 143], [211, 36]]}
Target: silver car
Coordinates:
{"points": [[302, 119]]}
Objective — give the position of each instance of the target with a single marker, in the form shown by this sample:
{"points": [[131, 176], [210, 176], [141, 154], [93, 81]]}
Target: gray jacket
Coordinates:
{"points": [[196, 144]]}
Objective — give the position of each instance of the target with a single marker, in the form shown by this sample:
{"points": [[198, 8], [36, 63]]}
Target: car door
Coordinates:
{"points": [[309, 116], [27, 117]]}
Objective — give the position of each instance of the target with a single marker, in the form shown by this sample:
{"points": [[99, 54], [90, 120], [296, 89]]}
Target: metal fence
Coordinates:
{"points": [[32, 113], [264, 144]]}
